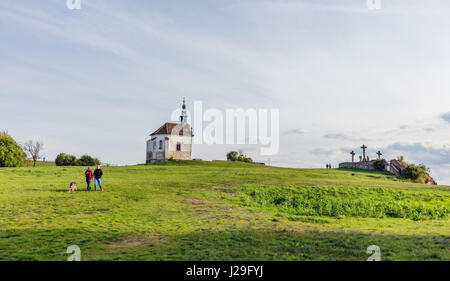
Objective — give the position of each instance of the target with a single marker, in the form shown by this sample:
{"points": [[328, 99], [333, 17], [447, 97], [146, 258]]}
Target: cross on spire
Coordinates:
{"points": [[353, 156], [379, 154], [183, 117], [364, 151]]}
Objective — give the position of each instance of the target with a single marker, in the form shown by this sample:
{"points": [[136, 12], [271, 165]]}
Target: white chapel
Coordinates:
{"points": [[172, 141]]}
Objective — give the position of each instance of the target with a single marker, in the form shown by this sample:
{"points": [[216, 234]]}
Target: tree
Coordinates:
{"points": [[87, 160], [34, 150], [11, 154], [232, 156], [65, 160]]}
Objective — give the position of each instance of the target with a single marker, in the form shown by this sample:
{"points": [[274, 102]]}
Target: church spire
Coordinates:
{"points": [[183, 117]]}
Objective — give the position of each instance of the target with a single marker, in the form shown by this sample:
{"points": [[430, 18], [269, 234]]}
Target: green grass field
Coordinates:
{"points": [[220, 211]]}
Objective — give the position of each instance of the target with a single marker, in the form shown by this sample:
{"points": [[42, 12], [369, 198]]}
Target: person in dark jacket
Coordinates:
{"points": [[89, 174], [98, 173]]}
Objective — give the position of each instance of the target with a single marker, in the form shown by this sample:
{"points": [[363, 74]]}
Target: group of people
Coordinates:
{"points": [[97, 175]]}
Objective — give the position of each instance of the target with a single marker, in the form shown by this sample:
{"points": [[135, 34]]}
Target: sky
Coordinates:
{"points": [[100, 79]]}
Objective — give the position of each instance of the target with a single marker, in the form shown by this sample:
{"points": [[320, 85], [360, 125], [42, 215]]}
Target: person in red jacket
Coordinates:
{"points": [[89, 174]]}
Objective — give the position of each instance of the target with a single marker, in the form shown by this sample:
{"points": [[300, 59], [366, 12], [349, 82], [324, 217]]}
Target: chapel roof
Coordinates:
{"points": [[168, 128]]}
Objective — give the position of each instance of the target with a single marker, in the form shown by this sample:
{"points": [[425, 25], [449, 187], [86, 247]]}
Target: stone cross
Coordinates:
{"points": [[353, 156], [379, 154], [364, 151]]}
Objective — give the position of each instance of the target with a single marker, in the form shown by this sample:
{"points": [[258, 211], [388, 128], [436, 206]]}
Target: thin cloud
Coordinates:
{"points": [[326, 152], [422, 153], [294, 132], [336, 136], [446, 116], [341, 136]]}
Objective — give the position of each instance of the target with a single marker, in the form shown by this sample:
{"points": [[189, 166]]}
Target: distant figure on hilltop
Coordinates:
{"points": [[98, 173], [89, 174]]}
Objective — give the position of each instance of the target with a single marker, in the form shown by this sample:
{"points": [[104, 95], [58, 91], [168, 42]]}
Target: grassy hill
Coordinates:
{"points": [[29, 163], [220, 211]]}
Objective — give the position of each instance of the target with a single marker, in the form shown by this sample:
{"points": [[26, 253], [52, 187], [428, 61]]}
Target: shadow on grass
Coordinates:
{"points": [[67, 190], [373, 172], [257, 244]]}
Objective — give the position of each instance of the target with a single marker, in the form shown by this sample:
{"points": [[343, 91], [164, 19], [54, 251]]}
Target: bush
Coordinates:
{"points": [[87, 160], [65, 160], [244, 158], [379, 165], [235, 156], [414, 172], [342, 201], [232, 156], [11, 154]]}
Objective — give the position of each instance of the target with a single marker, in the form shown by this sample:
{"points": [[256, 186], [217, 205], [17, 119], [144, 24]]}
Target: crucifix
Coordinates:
{"points": [[353, 156], [364, 151], [379, 154]]}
